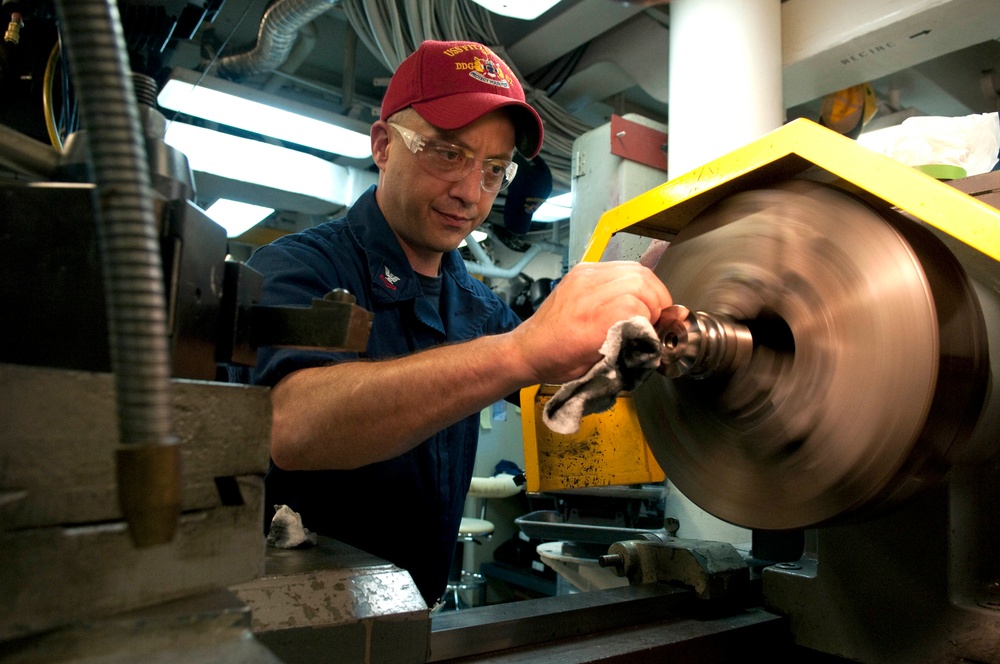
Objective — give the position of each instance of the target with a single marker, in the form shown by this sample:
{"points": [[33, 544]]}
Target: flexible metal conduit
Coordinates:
{"points": [[148, 461], [278, 29]]}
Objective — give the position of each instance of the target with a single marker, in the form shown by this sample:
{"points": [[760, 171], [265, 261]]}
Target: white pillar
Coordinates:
{"points": [[725, 91], [725, 78]]}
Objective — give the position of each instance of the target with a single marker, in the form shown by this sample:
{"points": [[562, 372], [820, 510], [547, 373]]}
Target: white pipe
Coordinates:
{"points": [[725, 77], [486, 268], [725, 91], [478, 252], [498, 486]]}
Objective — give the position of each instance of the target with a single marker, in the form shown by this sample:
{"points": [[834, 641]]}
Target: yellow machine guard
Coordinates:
{"points": [[610, 448]]}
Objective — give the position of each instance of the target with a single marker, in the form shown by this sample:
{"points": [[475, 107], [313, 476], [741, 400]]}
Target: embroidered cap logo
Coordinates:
{"points": [[489, 71]]}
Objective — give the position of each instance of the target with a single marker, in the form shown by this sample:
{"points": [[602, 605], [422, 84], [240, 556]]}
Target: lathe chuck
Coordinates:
{"points": [[869, 363]]}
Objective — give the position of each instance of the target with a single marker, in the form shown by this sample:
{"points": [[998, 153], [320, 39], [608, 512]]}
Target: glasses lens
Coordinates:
{"points": [[494, 172], [446, 160]]}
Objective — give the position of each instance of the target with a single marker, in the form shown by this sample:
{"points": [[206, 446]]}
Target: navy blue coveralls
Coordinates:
{"points": [[407, 509]]}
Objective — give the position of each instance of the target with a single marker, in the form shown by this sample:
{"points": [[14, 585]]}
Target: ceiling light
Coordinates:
{"points": [[523, 9], [227, 166], [238, 106], [253, 162], [237, 217], [556, 208]]}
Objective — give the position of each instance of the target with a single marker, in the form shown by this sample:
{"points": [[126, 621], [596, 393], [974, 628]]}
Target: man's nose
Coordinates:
{"points": [[470, 187]]}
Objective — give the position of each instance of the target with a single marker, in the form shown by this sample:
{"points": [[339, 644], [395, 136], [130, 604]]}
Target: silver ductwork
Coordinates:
{"points": [[278, 30]]}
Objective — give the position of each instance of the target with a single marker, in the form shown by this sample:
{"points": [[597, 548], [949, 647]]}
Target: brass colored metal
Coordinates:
{"points": [[149, 491], [13, 34]]}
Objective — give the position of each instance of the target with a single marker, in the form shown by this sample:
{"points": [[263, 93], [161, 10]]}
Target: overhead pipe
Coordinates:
{"points": [[148, 457], [278, 30], [486, 268]]}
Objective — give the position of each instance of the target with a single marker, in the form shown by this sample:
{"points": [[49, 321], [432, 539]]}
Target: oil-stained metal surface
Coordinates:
{"points": [[210, 627], [334, 603], [605, 451], [327, 584], [55, 576], [66, 552]]}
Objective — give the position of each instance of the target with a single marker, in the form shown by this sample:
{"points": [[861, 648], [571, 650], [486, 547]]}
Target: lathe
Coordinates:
{"points": [[834, 395]]}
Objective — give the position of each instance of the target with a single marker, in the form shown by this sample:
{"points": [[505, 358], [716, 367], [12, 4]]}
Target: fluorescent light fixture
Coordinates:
{"points": [[228, 166], [236, 217], [523, 9], [478, 236], [252, 161], [556, 208], [236, 105]]}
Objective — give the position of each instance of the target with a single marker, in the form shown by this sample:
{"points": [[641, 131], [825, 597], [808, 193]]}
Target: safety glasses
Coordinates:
{"points": [[453, 162]]}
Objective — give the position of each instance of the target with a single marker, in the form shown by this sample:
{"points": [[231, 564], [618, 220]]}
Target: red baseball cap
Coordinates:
{"points": [[453, 83]]}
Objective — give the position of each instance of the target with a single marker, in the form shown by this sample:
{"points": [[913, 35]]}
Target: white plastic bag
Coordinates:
{"points": [[971, 142]]}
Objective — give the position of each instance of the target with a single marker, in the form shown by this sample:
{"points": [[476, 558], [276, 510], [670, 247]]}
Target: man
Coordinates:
{"points": [[377, 450]]}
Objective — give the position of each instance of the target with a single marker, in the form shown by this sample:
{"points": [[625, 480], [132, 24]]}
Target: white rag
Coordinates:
{"points": [[287, 531], [630, 353]]}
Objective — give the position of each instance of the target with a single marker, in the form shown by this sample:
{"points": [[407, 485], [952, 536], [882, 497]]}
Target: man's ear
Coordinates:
{"points": [[380, 143]]}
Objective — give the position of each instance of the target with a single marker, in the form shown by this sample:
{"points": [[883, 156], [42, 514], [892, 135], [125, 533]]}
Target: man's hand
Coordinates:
{"points": [[560, 341]]}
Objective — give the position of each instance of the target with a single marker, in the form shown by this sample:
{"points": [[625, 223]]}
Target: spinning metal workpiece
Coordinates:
{"points": [[834, 359], [704, 344], [844, 357]]}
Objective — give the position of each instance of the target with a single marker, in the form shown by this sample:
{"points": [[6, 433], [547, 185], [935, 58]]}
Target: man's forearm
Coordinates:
{"points": [[357, 413], [352, 414]]}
